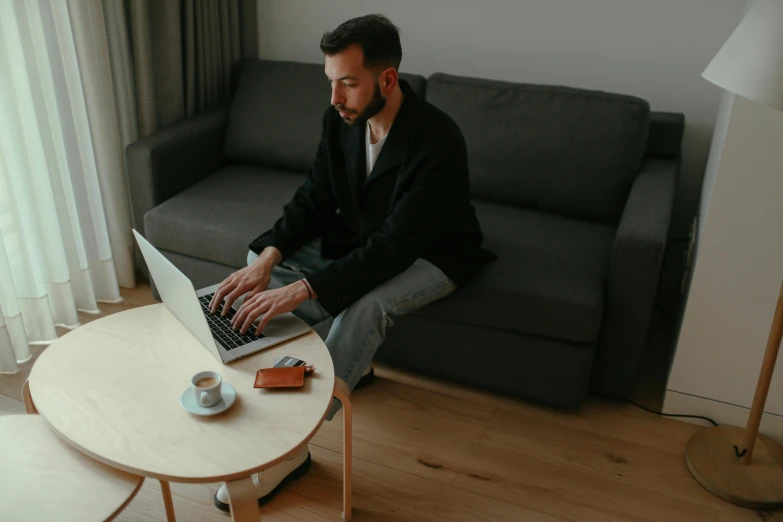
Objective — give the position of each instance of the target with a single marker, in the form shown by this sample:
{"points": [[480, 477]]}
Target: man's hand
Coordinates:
{"points": [[270, 303], [254, 279]]}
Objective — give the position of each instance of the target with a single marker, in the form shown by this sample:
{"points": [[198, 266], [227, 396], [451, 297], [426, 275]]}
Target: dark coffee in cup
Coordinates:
{"points": [[206, 382]]}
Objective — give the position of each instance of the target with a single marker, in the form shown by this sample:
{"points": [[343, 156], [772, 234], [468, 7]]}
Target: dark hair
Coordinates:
{"points": [[377, 36]]}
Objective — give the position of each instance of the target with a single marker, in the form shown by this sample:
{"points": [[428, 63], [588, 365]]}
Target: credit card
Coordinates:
{"points": [[287, 361]]}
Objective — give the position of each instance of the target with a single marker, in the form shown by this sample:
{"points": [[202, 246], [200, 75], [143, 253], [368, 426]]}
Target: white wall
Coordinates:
{"points": [[655, 49], [737, 275]]}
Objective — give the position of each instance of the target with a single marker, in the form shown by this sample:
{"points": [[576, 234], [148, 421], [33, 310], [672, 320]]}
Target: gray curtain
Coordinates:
{"points": [[172, 58], [182, 54]]}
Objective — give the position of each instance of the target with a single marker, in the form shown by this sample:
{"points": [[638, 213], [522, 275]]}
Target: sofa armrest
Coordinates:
{"points": [[172, 159], [632, 282]]}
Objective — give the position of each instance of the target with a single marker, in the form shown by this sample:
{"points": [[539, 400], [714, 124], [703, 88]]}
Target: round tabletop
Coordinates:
{"points": [[112, 389], [42, 478]]}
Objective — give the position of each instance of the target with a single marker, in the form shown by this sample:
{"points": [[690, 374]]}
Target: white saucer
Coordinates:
{"points": [[188, 401]]}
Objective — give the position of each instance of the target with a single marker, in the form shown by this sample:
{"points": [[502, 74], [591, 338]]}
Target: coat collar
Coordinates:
{"points": [[354, 141]]}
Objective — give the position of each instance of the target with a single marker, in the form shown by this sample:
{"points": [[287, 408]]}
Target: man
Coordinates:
{"points": [[382, 226]]}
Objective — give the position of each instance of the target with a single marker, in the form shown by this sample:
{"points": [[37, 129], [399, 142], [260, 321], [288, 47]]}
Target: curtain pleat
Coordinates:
{"points": [[183, 54], [225, 48], [201, 63], [189, 57], [143, 70]]}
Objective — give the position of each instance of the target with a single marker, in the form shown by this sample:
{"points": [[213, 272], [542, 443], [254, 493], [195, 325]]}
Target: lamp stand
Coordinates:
{"points": [[723, 460]]}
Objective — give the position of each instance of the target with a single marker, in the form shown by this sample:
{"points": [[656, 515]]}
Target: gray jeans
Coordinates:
{"points": [[356, 333]]}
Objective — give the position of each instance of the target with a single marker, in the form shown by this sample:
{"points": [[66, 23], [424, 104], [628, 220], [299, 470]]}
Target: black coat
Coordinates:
{"points": [[414, 205]]}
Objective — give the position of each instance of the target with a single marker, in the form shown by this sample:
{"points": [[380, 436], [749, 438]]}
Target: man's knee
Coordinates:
{"points": [[251, 257], [370, 303], [370, 310]]}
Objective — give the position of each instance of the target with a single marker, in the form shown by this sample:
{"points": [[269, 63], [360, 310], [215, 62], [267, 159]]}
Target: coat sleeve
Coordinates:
{"points": [[304, 216], [439, 174]]}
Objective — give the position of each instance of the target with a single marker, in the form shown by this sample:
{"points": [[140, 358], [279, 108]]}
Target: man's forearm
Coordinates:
{"points": [[270, 257]]}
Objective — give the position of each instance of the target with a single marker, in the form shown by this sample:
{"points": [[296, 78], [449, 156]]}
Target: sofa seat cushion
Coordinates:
{"points": [[218, 217], [548, 280]]}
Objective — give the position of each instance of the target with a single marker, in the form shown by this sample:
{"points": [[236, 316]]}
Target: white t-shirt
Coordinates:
{"points": [[373, 150]]}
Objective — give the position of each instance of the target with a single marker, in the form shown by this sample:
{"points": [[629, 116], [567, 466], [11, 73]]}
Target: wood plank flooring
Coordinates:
{"points": [[426, 450]]}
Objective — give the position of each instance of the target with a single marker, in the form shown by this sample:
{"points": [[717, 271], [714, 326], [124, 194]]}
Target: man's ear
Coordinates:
{"points": [[388, 80]]}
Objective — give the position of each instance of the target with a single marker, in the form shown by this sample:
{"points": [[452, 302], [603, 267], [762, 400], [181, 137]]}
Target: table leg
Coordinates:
{"points": [[243, 501], [29, 405], [343, 394], [167, 501]]}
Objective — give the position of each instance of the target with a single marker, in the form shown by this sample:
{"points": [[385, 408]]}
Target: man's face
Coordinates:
{"points": [[355, 90]]}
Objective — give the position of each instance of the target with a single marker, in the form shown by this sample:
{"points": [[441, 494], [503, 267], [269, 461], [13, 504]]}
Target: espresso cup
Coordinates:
{"points": [[207, 387]]}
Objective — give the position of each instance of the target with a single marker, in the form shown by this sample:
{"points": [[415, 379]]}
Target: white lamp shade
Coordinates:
{"points": [[750, 63]]}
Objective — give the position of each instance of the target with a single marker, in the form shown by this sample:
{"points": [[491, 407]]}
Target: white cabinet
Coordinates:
{"points": [[737, 274]]}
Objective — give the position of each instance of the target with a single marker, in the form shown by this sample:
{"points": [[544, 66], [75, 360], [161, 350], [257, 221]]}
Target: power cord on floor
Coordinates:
{"points": [[672, 414]]}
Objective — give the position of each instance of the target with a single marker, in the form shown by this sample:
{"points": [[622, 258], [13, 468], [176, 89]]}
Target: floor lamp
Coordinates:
{"points": [[737, 464]]}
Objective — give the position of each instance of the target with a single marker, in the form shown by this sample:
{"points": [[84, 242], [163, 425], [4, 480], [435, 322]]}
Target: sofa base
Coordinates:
{"points": [[544, 370]]}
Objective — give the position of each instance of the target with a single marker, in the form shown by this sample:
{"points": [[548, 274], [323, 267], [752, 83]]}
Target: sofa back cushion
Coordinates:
{"points": [[568, 151], [276, 113]]}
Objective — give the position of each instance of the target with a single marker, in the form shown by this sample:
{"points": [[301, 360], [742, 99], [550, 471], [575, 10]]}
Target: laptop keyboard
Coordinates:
{"points": [[221, 326]]}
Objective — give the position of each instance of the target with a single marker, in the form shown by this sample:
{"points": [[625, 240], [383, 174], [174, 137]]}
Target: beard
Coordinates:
{"points": [[373, 107]]}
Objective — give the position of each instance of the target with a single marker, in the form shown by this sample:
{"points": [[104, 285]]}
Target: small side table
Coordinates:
{"points": [[43, 478]]}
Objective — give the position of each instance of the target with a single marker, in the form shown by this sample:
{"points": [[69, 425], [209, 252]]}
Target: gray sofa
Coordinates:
{"points": [[573, 189]]}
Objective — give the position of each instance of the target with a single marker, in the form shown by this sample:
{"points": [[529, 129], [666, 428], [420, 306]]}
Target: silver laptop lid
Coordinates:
{"points": [[178, 294]]}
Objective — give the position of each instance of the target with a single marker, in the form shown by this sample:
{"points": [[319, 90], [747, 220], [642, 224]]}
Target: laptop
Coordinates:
{"points": [[191, 307]]}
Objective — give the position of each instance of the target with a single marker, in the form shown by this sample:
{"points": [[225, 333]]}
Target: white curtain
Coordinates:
{"points": [[65, 240]]}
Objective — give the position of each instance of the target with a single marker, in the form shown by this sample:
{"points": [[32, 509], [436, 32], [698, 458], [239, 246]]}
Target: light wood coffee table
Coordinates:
{"points": [[112, 388]]}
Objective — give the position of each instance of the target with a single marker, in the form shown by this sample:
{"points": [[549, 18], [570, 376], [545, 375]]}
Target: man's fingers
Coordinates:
{"points": [[230, 298], [268, 316], [240, 313], [238, 318], [248, 322], [253, 314], [214, 298], [247, 308], [218, 297], [226, 287]]}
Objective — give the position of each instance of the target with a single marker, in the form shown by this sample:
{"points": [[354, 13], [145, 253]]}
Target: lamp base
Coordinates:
{"points": [[713, 462]]}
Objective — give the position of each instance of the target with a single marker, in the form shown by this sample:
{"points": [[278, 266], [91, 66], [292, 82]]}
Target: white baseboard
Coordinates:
{"points": [[722, 413]]}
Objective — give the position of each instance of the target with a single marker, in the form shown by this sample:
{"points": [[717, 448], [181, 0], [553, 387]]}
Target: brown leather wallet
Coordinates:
{"points": [[283, 377]]}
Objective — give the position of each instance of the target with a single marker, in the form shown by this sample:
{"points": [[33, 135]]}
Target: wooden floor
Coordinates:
{"points": [[431, 451]]}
